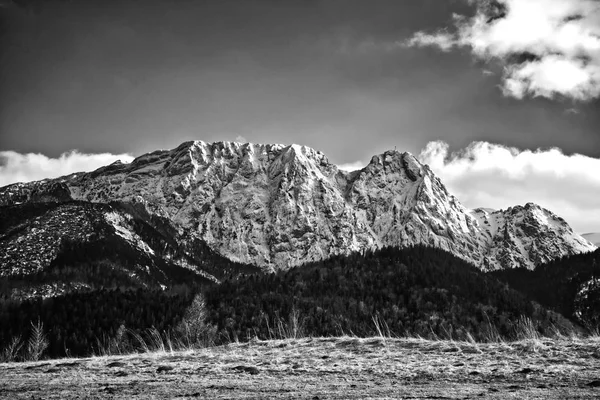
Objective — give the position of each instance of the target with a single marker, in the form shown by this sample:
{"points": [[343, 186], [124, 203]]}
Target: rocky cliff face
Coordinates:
{"points": [[280, 206]]}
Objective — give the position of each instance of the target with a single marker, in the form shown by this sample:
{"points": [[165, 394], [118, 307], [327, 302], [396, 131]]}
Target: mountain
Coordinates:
{"points": [[277, 206], [593, 238], [527, 236]]}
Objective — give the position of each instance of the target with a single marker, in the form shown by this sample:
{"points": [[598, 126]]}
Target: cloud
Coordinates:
{"points": [[241, 139], [496, 176], [17, 167], [353, 166], [547, 47], [443, 40]]}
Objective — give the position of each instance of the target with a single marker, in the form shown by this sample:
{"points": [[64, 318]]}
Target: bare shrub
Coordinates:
{"points": [[115, 345], [37, 343], [156, 341], [194, 330], [293, 328], [11, 352], [490, 332], [138, 343], [525, 329], [382, 328]]}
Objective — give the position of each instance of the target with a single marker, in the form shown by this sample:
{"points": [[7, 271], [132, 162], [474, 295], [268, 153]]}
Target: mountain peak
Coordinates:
{"points": [[302, 153], [394, 160]]}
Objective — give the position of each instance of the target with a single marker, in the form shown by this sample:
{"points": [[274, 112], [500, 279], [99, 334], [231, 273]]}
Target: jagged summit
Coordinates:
{"points": [[278, 206], [393, 160], [523, 235]]}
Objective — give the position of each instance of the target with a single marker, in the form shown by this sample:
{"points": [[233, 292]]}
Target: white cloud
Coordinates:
{"points": [[17, 167], [496, 176], [240, 139], [443, 40], [548, 47], [353, 166]]}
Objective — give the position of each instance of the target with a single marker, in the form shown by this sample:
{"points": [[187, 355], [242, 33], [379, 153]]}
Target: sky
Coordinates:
{"points": [[500, 97]]}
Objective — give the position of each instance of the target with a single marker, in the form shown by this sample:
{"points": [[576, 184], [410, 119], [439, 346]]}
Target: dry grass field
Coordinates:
{"points": [[323, 368]]}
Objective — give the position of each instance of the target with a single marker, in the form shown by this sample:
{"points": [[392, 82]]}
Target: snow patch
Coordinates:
{"points": [[124, 229]]}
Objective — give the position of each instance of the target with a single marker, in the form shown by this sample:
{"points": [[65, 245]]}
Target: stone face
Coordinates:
{"points": [[279, 206]]}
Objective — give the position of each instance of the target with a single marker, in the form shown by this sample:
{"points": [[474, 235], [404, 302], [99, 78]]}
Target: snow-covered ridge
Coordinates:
{"points": [[278, 206]]}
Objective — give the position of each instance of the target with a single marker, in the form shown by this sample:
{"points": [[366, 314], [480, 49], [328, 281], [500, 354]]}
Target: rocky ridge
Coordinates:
{"points": [[279, 206]]}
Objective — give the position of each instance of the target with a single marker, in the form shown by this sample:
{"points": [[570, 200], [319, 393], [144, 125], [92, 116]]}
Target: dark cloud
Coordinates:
{"points": [[133, 76]]}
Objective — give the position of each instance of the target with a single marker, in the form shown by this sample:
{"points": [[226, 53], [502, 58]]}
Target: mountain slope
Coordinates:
{"points": [[280, 206], [52, 248]]}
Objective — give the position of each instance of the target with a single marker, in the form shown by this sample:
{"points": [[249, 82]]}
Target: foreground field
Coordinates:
{"points": [[323, 368]]}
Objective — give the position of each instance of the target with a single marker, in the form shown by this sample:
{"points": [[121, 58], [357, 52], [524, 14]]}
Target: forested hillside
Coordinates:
{"points": [[414, 291], [569, 285], [79, 323]]}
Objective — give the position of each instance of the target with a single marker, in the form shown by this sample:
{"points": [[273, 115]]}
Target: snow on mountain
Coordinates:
{"points": [[122, 226], [279, 206], [527, 236]]}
